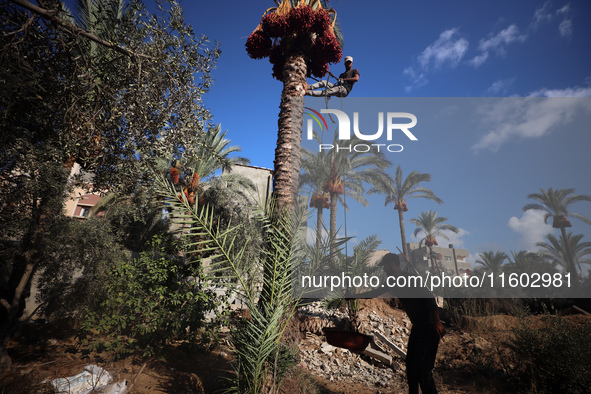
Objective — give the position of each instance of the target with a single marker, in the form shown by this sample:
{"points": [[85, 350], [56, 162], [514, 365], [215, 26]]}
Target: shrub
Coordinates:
{"points": [[556, 358], [151, 300]]}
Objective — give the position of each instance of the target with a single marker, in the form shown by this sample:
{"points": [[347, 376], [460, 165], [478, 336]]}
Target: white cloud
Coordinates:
{"points": [[542, 15], [478, 60], [564, 10], [568, 92], [417, 79], [500, 86], [531, 227], [510, 119], [566, 28], [311, 234], [497, 43], [447, 49], [455, 239]]}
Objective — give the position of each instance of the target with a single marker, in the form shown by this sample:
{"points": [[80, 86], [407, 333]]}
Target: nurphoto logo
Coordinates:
{"points": [[394, 125]]}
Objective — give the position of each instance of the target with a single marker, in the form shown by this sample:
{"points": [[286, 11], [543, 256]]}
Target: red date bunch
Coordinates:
{"points": [[275, 26]]}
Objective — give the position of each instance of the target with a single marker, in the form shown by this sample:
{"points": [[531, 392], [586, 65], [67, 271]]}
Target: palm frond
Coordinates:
{"points": [[269, 301], [556, 202]]}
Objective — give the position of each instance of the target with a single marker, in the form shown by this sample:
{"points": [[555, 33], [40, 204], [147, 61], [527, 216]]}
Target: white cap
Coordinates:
{"points": [[349, 58]]}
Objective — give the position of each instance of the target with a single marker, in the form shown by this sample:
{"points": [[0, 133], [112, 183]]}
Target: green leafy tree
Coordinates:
{"points": [[552, 359], [147, 101], [431, 227], [556, 205], [73, 274], [103, 19], [150, 300], [212, 153], [401, 190]]}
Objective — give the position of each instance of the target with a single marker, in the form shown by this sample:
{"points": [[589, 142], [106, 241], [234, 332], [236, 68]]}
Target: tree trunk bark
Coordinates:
{"points": [[47, 205], [13, 311], [286, 170], [287, 154], [570, 257], [318, 228], [334, 200], [403, 234]]}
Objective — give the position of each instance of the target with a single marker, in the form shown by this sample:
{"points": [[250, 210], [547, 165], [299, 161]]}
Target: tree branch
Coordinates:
{"points": [[5, 304], [51, 15]]}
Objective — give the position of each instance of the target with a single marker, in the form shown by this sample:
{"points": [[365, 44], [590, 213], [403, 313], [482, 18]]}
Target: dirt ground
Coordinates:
{"points": [[469, 361]]}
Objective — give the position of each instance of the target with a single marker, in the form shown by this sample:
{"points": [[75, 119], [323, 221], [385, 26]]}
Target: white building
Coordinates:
{"points": [[447, 258]]}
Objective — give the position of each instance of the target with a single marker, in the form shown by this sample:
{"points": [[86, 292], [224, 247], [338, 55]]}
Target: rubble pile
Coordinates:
{"points": [[341, 365]]}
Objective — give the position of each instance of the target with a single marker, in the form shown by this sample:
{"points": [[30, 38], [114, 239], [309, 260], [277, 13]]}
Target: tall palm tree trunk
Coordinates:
{"points": [[334, 197], [571, 267], [434, 264], [403, 234], [289, 136], [287, 154], [318, 227]]}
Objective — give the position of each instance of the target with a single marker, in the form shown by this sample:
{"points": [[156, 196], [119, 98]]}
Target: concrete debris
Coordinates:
{"points": [[341, 365]]}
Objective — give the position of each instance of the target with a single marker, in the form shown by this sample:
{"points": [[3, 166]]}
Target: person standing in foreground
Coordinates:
{"points": [[342, 88], [426, 332]]}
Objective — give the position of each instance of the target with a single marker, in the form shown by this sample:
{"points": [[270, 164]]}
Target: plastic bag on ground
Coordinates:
{"points": [[93, 379]]}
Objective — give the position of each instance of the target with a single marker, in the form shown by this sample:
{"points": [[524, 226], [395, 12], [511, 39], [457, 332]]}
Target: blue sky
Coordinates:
{"points": [[443, 49], [435, 49]]}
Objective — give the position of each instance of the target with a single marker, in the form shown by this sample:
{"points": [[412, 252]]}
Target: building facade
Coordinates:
{"points": [[452, 260]]}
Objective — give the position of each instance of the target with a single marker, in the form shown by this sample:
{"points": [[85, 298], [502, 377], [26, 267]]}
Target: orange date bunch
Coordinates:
{"points": [[189, 187]]}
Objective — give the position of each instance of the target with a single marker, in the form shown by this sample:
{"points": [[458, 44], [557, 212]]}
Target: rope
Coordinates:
{"points": [[345, 211]]}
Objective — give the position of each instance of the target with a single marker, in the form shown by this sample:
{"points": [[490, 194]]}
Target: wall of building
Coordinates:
{"points": [[261, 177], [419, 255]]}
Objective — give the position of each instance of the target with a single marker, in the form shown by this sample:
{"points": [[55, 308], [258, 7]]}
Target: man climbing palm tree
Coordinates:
{"points": [[342, 88]]}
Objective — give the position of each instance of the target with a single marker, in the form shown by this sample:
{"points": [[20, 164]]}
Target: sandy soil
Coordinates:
{"points": [[469, 360]]}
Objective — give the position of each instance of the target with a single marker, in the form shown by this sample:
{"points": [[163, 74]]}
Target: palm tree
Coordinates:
{"points": [[566, 251], [315, 176], [348, 172], [356, 265], [101, 18], [555, 204], [529, 262], [401, 191], [199, 166], [492, 262], [305, 41], [432, 226], [212, 153]]}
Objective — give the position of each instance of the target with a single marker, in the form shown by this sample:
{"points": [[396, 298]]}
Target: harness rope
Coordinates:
{"points": [[326, 98]]}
